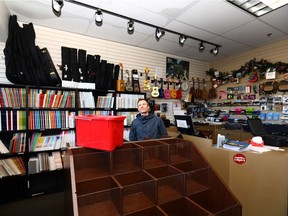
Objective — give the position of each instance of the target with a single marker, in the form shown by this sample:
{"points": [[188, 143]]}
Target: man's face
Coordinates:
{"points": [[143, 106]]}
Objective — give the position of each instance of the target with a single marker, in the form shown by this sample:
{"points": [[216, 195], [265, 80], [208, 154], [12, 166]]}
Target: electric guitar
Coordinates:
{"points": [[128, 83], [120, 83], [167, 91], [155, 89], [173, 93], [135, 81], [161, 90], [179, 91], [146, 85]]}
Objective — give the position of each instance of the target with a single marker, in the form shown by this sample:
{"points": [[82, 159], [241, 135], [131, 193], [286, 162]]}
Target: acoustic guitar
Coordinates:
{"points": [[191, 92], [146, 84], [128, 83], [167, 91], [135, 81], [155, 89], [179, 91], [161, 90], [205, 93], [173, 93], [120, 84]]}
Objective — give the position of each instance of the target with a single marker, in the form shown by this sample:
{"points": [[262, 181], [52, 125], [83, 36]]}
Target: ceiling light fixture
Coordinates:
{"points": [[258, 7], [182, 39], [99, 17], [130, 27], [201, 46], [215, 51], [57, 6], [159, 33]]}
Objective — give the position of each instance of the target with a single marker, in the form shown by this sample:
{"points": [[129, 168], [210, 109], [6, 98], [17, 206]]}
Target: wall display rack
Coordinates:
{"points": [[37, 125]]}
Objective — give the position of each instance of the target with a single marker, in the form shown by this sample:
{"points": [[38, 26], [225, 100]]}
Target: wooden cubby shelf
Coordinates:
{"points": [[155, 177]]}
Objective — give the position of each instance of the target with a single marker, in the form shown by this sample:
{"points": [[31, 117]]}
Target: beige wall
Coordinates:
{"points": [[273, 53]]}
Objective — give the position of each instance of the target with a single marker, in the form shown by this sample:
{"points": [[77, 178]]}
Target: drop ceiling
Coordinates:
{"points": [[216, 21]]}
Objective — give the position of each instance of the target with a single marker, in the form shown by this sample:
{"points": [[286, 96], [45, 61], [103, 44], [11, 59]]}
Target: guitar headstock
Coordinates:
{"points": [[146, 70], [121, 66]]}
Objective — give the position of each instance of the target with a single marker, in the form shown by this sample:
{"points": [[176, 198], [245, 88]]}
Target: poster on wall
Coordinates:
{"points": [[177, 69]]}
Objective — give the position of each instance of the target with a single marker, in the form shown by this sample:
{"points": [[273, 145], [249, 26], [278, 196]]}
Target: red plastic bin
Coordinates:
{"points": [[99, 132]]}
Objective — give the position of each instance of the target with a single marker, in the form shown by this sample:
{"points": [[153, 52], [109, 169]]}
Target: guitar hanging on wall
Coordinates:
{"points": [[179, 91], [155, 89], [128, 83], [167, 91], [146, 84], [173, 93], [120, 83], [135, 81], [161, 90]]}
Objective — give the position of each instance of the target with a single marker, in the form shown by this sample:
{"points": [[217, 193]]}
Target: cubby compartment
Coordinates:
{"points": [[218, 199], [215, 204], [183, 207], [179, 150], [152, 211], [137, 191], [127, 158], [155, 154], [197, 181], [99, 195], [169, 183], [91, 165]]}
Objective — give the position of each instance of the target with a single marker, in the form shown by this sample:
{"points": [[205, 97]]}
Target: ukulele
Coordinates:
{"points": [[204, 90], [191, 92], [146, 85], [120, 83], [173, 93], [167, 91], [135, 81], [128, 83], [155, 89], [179, 91], [161, 90]]}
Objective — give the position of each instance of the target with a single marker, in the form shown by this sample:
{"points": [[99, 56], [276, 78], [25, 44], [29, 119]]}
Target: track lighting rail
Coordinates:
{"points": [[129, 19]]}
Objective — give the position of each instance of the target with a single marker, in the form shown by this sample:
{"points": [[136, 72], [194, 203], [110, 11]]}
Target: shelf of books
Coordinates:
{"points": [[37, 124]]}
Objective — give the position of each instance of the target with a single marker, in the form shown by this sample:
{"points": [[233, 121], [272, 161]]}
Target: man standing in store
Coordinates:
{"points": [[146, 125]]}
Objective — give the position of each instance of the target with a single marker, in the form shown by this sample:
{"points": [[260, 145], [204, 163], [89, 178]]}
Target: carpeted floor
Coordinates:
{"points": [[44, 205]]}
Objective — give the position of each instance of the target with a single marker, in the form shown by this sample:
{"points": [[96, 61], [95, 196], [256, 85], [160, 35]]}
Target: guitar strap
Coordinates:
{"points": [[66, 70], [73, 65], [82, 65]]}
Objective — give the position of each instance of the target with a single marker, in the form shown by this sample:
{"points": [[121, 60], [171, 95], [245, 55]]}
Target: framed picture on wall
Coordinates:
{"points": [[176, 68]]}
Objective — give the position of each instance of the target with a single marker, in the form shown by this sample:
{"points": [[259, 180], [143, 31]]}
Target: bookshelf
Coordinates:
{"points": [[37, 125]]}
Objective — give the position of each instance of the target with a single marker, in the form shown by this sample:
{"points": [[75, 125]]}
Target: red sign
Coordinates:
{"points": [[239, 158]]}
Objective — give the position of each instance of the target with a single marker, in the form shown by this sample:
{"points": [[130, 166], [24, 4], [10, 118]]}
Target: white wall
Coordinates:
{"points": [[131, 57]]}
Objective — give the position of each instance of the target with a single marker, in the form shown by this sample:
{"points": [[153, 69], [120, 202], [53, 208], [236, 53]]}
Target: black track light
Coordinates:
{"points": [[130, 27], [215, 51], [99, 18], [57, 6], [182, 39], [201, 46], [159, 33]]}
